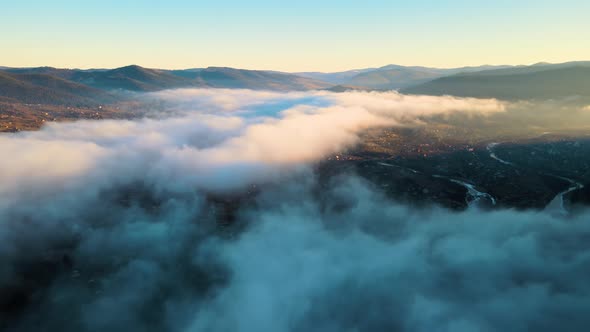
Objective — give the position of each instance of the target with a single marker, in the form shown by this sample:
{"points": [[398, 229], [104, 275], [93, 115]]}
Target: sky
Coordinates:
{"points": [[303, 35]]}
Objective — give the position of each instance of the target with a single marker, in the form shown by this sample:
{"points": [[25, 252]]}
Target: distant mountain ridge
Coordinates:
{"points": [[337, 78], [87, 86], [136, 78], [391, 77], [541, 81], [31, 97], [225, 77], [47, 89]]}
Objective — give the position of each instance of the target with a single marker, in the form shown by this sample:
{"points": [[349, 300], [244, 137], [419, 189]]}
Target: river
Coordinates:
{"points": [[557, 204], [473, 195]]}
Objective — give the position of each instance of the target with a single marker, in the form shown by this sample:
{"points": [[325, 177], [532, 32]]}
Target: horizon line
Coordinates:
{"points": [[291, 72]]}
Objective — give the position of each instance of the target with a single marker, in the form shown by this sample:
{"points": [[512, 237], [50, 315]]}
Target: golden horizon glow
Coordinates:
{"points": [[304, 36]]}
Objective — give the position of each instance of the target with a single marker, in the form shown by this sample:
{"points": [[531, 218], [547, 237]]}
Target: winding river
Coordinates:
{"points": [[557, 204], [490, 149], [473, 196]]}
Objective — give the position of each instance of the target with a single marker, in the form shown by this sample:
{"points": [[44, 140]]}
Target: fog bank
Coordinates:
{"points": [[213, 219]]}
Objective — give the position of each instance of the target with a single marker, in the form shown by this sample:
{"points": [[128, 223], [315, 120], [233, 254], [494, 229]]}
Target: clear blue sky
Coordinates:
{"points": [[297, 35]]}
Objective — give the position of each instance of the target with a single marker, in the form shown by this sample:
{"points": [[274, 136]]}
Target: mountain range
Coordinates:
{"points": [[47, 85], [40, 88], [136, 78], [539, 81], [391, 77], [30, 97]]}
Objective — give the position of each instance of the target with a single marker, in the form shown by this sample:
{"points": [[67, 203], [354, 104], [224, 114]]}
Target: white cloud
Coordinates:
{"points": [[78, 228], [249, 134]]}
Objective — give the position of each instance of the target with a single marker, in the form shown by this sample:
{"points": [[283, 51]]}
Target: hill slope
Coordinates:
{"points": [[392, 77], [222, 77], [132, 78], [136, 78], [337, 78], [538, 67], [47, 89], [509, 84]]}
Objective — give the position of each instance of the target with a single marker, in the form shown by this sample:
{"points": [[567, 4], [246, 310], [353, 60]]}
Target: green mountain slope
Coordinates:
{"points": [[524, 84], [136, 78], [392, 77], [223, 77], [46, 89]]}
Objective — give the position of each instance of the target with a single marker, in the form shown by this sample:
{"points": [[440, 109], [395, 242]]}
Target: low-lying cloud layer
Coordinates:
{"points": [[115, 225], [218, 138], [377, 266]]}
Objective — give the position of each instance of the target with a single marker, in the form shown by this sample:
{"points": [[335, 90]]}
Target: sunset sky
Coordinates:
{"points": [[303, 35]]}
